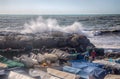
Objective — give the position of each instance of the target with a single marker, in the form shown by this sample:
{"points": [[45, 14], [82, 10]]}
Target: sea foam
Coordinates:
{"points": [[49, 25]]}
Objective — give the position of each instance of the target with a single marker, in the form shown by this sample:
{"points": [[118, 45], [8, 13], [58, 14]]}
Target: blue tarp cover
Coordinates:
{"points": [[90, 69], [95, 72], [71, 69], [82, 64]]}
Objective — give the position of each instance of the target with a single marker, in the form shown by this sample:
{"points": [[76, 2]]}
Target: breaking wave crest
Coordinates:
{"points": [[41, 25]]}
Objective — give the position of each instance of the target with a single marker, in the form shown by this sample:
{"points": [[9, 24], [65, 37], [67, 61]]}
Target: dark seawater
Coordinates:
{"points": [[86, 24]]}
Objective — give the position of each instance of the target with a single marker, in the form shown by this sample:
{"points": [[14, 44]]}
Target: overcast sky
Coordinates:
{"points": [[59, 6]]}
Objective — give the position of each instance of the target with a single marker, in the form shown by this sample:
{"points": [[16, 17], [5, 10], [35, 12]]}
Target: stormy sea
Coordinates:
{"points": [[102, 30]]}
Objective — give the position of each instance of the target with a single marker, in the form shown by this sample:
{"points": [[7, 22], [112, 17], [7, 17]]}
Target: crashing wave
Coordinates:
{"points": [[50, 25]]}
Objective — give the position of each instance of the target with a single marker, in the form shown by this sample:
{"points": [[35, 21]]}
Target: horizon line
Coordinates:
{"points": [[68, 14]]}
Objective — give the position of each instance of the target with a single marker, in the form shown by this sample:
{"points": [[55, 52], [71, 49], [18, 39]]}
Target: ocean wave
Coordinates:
{"points": [[48, 25]]}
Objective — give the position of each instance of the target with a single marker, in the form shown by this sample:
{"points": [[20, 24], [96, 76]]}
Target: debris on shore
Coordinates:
{"points": [[54, 56]]}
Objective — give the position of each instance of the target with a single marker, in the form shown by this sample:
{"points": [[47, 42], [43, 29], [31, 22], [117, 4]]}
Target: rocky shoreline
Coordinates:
{"points": [[51, 53], [49, 40]]}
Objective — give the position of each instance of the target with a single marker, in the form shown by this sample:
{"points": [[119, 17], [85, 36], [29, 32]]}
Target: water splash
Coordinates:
{"points": [[48, 25]]}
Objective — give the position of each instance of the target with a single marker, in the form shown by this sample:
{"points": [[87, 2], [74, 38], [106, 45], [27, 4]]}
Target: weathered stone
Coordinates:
{"points": [[55, 40]]}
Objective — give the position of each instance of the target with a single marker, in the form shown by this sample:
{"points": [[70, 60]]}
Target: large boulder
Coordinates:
{"points": [[57, 40]]}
